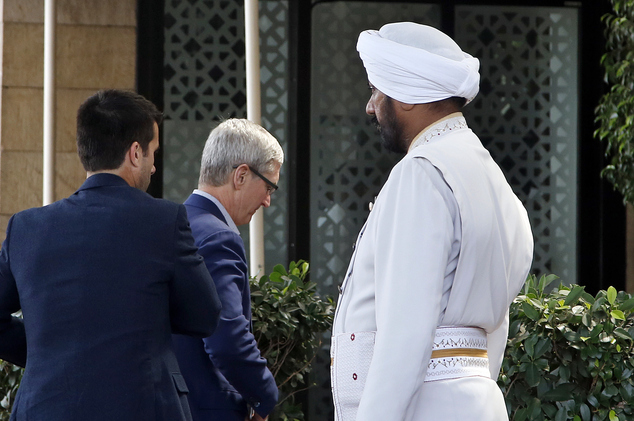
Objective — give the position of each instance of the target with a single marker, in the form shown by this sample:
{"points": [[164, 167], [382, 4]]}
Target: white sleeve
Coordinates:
{"points": [[496, 345], [412, 246]]}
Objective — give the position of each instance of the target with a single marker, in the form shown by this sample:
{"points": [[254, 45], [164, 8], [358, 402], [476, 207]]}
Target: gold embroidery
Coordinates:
{"points": [[459, 352]]}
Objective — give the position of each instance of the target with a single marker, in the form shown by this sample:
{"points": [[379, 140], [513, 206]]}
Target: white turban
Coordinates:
{"points": [[417, 64]]}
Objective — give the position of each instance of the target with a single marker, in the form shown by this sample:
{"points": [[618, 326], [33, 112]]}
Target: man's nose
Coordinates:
{"points": [[369, 107]]}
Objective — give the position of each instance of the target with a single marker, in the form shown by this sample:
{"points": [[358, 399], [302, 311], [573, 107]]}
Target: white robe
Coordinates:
{"points": [[447, 243]]}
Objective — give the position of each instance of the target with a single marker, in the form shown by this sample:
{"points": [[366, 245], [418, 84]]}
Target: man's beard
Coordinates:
{"points": [[390, 130]]}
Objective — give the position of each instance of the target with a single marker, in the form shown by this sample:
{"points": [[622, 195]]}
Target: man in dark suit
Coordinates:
{"points": [[224, 372], [103, 278]]}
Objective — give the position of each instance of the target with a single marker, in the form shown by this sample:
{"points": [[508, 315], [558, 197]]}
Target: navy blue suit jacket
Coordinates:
{"points": [[224, 371], [103, 278]]}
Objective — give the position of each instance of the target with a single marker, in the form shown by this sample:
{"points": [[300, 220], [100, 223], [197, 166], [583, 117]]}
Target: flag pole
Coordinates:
{"points": [[48, 141], [254, 113]]}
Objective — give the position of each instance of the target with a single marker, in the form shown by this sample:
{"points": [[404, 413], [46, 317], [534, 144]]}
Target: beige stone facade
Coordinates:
{"points": [[95, 49]]}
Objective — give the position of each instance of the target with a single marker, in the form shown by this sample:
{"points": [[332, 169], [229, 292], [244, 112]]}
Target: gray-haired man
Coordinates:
{"points": [[225, 373]]}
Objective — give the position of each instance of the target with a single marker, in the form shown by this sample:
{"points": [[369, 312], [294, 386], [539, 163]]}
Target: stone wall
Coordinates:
{"points": [[95, 49]]}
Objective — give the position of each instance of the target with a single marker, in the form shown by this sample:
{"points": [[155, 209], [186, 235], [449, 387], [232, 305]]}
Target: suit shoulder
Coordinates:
{"points": [[163, 205], [207, 224], [39, 212]]}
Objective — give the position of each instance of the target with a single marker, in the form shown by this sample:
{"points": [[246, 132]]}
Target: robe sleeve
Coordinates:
{"points": [[496, 345], [413, 240]]}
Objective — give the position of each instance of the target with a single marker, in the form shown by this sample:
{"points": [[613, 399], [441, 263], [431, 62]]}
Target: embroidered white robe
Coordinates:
{"points": [[447, 243]]}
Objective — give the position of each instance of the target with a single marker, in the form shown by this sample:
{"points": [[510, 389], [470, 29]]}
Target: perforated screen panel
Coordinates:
{"points": [[204, 71], [526, 115]]}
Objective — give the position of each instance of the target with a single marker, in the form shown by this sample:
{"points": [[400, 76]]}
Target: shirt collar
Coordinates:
{"points": [[438, 128]]}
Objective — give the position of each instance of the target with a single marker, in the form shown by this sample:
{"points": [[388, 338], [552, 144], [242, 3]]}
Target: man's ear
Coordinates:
{"points": [[134, 154], [240, 176]]}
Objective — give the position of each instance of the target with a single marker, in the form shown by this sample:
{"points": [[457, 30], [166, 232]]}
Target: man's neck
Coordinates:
{"points": [[118, 172], [447, 117], [221, 193], [422, 117]]}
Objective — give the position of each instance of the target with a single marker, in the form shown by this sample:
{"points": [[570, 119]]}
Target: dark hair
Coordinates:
{"points": [[458, 101], [452, 104], [108, 123]]}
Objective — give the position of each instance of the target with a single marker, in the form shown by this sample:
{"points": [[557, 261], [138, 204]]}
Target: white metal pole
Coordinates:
{"points": [[254, 113], [48, 170]]}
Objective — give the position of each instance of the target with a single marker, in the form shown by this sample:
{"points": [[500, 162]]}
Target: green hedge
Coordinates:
{"points": [[615, 111], [569, 354], [10, 376], [289, 318]]}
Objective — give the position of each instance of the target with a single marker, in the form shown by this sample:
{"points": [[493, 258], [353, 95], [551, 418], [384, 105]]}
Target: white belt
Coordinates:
{"points": [[458, 352]]}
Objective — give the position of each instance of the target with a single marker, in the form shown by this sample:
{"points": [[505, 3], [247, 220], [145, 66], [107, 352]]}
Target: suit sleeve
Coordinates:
{"points": [[194, 303], [232, 348], [12, 334], [412, 244]]}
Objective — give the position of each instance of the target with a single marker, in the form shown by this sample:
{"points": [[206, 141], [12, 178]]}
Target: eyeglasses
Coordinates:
{"points": [[271, 186]]}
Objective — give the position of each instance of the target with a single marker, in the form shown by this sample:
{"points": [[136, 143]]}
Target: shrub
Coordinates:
{"points": [[10, 376], [288, 319], [616, 108], [569, 354]]}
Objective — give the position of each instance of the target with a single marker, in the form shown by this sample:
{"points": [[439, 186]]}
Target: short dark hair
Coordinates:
{"points": [[451, 104], [109, 122]]}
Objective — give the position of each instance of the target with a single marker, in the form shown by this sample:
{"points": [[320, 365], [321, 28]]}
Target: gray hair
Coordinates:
{"points": [[234, 142]]}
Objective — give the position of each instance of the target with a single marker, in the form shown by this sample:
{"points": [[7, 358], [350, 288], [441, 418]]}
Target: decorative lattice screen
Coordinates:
{"points": [[204, 70], [526, 115]]}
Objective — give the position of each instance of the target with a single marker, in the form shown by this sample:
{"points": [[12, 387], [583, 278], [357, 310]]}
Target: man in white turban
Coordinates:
{"points": [[422, 319]]}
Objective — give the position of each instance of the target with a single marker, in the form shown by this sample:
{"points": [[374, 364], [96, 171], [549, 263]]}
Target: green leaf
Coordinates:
{"points": [[588, 298], [541, 284], [543, 345], [586, 319], [627, 305], [574, 295], [529, 345], [560, 393], [533, 375], [622, 333], [596, 330], [564, 372], [611, 295], [613, 416], [562, 415], [617, 314], [592, 400], [549, 279], [280, 269], [304, 267], [521, 414], [584, 410], [530, 311]]}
